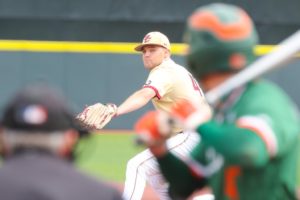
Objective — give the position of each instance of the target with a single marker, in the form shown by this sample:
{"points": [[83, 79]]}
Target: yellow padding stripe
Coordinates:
{"points": [[93, 47], [57, 46]]}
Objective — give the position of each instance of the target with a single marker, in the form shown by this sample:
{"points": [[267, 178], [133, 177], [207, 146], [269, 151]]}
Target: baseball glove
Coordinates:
{"points": [[97, 116]]}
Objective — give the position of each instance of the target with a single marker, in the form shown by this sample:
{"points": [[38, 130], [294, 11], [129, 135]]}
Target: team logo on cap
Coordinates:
{"points": [[34, 114], [147, 38]]}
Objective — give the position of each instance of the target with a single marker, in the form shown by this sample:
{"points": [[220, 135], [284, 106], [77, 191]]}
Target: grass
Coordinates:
{"points": [[106, 155]]}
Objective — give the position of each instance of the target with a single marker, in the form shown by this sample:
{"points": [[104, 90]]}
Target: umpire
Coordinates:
{"points": [[37, 137]]}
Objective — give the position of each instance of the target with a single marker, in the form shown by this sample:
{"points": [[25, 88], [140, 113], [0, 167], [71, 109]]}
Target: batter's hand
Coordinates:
{"points": [[153, 128], [97, 116], [191, 114]]}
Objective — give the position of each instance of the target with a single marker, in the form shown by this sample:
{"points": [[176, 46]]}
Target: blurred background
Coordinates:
{"points": [[85, 47]]}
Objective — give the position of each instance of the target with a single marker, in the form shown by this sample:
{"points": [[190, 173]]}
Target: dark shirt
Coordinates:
{"points": [[43, 176]]}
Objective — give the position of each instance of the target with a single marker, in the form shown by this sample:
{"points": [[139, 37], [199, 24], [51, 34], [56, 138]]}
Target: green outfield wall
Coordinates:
{"points": [[85, 47], [92, 72]]}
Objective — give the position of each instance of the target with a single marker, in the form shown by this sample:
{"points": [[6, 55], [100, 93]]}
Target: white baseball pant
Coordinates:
{"points": [[143, 168]]}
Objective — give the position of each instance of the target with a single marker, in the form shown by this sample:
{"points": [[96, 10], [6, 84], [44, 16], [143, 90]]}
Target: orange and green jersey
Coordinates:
{"points": [[248, 151]]}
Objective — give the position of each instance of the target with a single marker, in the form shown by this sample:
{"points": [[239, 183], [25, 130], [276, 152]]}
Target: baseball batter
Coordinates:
{"points": [[249, 146]]}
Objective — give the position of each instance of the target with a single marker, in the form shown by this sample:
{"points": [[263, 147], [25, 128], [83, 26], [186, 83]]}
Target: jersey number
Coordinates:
{"points": [[231, 175], [196, 85]]}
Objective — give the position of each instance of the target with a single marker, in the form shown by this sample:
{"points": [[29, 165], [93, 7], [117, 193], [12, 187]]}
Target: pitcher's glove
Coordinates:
{"points": [[97, 116]]}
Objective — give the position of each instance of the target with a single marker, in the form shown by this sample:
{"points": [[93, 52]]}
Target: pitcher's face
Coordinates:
{"points": [[154, 55]]}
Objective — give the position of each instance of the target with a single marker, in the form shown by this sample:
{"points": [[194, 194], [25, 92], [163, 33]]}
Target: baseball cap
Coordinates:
{"points": [[38, 108], [154, 38]]}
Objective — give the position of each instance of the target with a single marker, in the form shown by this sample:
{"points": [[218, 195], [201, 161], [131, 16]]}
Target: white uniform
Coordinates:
{"points": [[171, 82]]}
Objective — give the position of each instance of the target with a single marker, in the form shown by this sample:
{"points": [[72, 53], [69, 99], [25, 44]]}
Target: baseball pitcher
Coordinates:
{"points": [[166, 84]]}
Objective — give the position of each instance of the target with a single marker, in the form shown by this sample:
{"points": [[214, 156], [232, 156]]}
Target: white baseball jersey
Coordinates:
{"points": [[171, 83]]}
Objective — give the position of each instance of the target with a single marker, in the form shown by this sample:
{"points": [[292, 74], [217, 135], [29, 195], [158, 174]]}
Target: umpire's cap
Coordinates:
{"points": [[38, 108]]}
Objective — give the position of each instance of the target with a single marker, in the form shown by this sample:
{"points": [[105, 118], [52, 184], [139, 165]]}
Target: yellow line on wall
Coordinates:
{"points": [[93, 47]]}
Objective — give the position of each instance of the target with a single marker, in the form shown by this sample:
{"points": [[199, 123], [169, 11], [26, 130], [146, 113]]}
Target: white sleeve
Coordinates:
{"points": [[160, 82]]}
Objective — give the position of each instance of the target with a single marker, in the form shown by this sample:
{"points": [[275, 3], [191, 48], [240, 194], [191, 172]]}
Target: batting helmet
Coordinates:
{"points": [[221, 38]]}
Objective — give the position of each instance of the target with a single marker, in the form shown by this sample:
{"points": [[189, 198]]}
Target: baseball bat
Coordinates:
{"points": [[280, 55]]}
